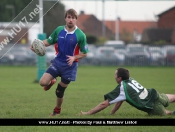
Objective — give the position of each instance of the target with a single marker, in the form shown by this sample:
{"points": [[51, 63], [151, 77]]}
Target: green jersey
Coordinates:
{"points": [[133, 93]]}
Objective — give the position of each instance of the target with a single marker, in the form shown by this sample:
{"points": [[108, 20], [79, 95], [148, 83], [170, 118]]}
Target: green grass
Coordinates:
{"points": [[20, 97]]}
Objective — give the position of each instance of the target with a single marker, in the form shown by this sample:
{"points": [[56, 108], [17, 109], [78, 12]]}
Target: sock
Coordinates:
{"points": [[173, 112]]}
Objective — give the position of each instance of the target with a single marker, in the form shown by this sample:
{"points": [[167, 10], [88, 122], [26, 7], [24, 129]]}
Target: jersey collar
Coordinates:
{"points": [[71, 31]]}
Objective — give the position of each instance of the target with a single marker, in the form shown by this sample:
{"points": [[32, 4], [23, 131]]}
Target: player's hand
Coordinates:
{"points": [[84, 113], [70, 60], [31, 47]]}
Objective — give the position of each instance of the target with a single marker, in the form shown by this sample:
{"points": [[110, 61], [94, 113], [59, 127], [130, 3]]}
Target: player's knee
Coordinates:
{"points": [[43, 83], [60, 91]]}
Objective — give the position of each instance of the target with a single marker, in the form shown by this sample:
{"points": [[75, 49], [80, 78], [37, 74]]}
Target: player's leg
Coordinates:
{"points": [[164, 100], [158, 109], [60, 91], [159, 105], [60, 95], [68, 74], [168, 112], [48, 78], [171, 97], [45, 79]]}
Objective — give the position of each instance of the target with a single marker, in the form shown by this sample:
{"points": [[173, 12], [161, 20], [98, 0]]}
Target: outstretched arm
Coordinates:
{"points": [[96, 109], [116, 107]]}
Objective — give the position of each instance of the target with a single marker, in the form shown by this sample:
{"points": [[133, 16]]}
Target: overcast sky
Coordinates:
{"points": [[126, 10]]}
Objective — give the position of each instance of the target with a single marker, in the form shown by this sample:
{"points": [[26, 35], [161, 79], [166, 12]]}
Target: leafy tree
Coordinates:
{"points": [[8, 7], [126, 36], [91, 39], [53, 17]]}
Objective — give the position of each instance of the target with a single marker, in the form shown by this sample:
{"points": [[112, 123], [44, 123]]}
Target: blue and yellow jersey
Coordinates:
{"points": [[69, 43]]}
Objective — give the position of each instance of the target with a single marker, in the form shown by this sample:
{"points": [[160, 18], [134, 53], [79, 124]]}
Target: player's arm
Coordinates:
{"points": [[52, 38], [71, 59], [96, 109], [116, 107], [80, 56], [45, 42], [31, 47], [83, 50]]}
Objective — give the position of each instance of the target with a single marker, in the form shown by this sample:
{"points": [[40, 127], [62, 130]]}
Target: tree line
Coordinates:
{"points": [[9, 9]]}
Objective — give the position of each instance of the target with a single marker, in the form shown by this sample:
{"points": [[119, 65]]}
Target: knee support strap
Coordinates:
{"points": [[60, 91]]}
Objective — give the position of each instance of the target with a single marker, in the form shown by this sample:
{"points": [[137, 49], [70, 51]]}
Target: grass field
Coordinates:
{"points": [[20, 97]]}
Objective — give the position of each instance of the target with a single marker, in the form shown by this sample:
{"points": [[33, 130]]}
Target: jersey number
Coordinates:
{"points": [[137, 87]]}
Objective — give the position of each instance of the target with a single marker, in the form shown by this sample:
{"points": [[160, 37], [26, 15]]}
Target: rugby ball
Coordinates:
{"points": [[39, 47]]}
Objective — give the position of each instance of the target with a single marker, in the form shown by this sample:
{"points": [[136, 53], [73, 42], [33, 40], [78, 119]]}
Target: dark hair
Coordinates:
{"points": [[123, 73], [71, 12]]}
